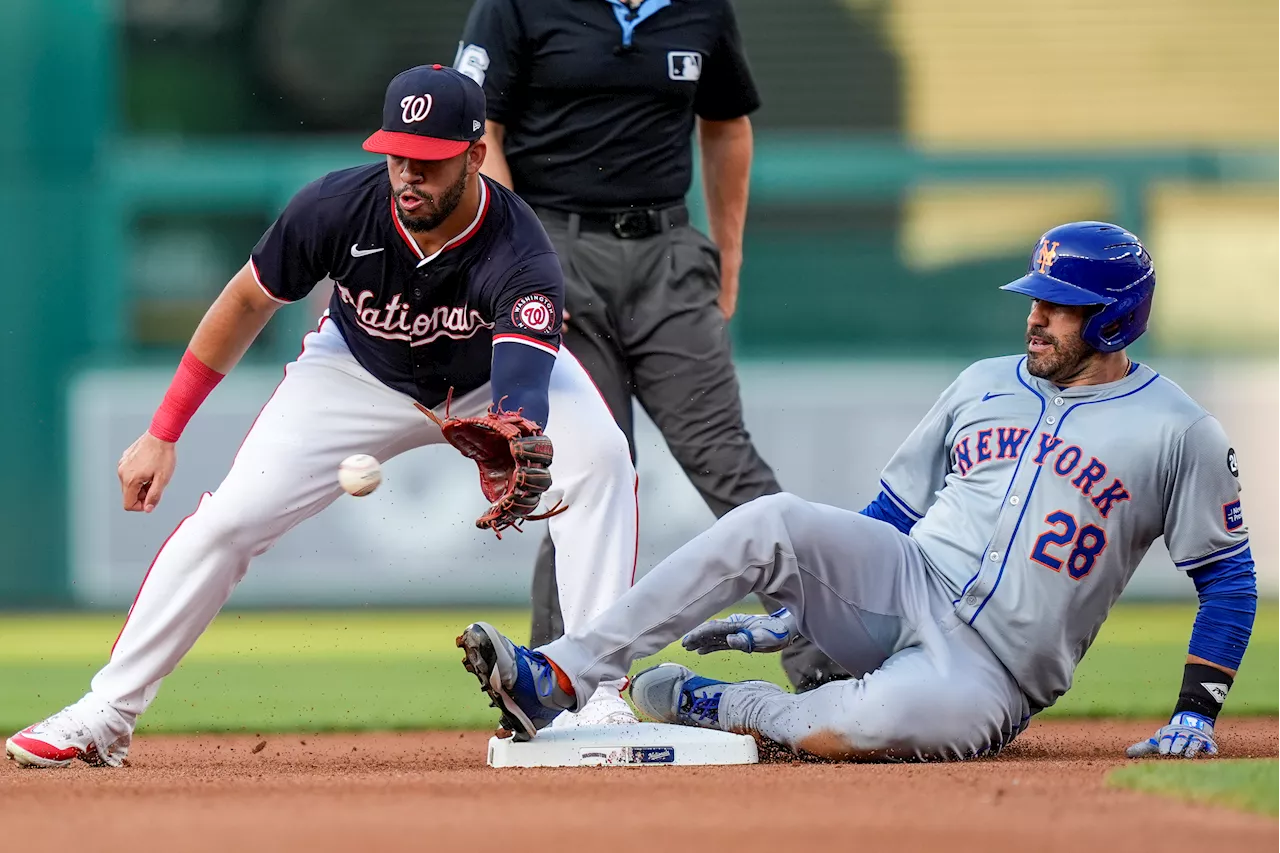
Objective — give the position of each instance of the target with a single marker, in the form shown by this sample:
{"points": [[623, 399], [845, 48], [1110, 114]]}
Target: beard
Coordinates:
{"points": [[1066, 360], [433, 211]]}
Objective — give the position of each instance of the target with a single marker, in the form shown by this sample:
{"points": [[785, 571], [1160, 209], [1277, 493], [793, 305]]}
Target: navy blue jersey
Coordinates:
{"points": [[419, 324]]}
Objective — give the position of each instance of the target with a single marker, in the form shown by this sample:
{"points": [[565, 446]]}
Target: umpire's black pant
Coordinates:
{"points": [[644, 322]]}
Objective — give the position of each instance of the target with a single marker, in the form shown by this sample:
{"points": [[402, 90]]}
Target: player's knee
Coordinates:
{"points": [[873, 729], [907, 724], [600, 453], [868, 735], [231, 528], [613, 445], [831, 744], [782, 507]]}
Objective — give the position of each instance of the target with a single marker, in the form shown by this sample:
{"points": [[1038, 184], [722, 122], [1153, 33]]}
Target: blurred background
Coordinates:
{"points": [[909, 154]]}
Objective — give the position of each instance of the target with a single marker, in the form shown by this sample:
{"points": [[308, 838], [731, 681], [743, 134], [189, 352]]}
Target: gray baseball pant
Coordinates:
{"points": [[926, 684], [645, 323]]}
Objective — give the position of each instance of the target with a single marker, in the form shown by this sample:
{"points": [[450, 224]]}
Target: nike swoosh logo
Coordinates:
{"points": [[357, 252], [989, 396]]}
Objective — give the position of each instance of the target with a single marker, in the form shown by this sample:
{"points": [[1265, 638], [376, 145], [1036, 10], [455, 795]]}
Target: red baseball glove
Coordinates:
{"points": [[512, 455]]}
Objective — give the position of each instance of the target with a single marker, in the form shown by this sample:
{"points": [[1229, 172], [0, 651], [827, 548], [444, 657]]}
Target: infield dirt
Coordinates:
{"points": [[432, 791]]}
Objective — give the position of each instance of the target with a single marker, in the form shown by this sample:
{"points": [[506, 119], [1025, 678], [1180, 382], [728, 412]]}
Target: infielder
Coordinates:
{"points": [[963, 597], [443, 280]]}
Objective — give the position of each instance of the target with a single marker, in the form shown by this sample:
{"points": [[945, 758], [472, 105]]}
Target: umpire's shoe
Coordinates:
{"points": [[521, 684]]}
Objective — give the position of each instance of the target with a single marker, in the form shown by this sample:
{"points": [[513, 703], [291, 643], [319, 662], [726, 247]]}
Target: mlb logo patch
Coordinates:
{"points": [[1232, 515], [684, 65]]}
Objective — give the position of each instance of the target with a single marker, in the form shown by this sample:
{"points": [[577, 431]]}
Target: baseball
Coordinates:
{"points": [[359, 475]]}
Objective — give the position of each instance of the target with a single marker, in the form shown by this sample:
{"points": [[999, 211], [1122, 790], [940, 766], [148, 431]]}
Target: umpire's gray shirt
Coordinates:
{"points": [[1036, 503]]}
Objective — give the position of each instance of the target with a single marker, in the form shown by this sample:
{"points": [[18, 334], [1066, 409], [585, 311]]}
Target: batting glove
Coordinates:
{"points": [[1188, 734], [744, 632]]}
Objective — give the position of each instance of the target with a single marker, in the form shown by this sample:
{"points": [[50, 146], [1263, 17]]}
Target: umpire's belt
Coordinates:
{"points": [[628, 225]]}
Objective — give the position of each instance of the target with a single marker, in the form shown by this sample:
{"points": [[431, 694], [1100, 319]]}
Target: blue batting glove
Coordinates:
{"points": [[744, 632], [1188, 734]]}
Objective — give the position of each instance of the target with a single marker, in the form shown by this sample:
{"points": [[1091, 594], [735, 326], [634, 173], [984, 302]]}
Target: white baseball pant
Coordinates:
{"points": [[325, 409]]}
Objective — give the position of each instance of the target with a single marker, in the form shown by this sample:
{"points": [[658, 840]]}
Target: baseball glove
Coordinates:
{"points": [[512, 455]]}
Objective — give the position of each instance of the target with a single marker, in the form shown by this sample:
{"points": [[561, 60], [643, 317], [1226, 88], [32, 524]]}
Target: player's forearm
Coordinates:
{"points": [[520, 378], [1228, 594], [726, 148], [495, 159], [1224, 623]]}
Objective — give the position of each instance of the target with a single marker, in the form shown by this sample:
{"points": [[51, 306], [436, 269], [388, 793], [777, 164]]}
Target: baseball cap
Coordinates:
{"points": [[430, 113]]}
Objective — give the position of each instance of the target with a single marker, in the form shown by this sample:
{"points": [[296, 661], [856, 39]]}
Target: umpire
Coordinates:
{"points": [[591, 110]]}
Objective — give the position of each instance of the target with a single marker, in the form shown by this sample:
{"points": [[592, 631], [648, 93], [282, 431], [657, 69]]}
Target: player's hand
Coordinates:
{"points": [[144, 470], [1188, 735], [744, 632]]}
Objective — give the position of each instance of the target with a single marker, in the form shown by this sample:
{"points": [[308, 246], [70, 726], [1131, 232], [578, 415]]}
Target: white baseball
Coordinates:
{"points": [[359, 475]]}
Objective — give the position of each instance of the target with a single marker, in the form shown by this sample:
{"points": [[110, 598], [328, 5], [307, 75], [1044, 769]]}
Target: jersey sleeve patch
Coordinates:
{"points": [[534, 312], [1232, 516]]}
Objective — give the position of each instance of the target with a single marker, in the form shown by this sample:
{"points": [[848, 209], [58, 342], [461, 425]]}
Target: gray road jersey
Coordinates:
{"points": [[1036, 503]]}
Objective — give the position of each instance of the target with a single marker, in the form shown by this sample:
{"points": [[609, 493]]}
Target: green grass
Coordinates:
{"points": [[1245, 784], [313, 671], [1134, 668]]}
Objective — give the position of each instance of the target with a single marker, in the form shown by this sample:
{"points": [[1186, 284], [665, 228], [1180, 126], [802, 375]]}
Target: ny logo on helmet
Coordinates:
{"points": [[1048, 254]]}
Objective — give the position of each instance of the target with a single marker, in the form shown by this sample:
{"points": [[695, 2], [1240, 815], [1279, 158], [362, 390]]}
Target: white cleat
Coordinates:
{"points": [[606, 708], [58, 741]]}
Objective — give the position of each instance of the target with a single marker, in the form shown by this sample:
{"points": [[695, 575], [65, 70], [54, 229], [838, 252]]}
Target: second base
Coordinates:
{"points": [[638, 745]]}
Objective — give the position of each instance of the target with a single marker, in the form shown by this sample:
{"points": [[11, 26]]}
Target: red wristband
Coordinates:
{"points": [[191, 384]]}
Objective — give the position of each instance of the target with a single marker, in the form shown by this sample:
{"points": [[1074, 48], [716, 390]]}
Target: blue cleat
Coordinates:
{"points": [[521, 684], [671, 693]]}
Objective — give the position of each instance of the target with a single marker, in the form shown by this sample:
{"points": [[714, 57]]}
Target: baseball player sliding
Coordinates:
{"points": [[444, 282], [963, 597]]}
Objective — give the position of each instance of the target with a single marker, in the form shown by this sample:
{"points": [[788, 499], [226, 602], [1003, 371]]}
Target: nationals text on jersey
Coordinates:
{"points": [[391, 321]]}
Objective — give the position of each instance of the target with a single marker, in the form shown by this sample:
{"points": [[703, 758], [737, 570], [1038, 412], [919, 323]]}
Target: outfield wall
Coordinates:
{"points": [[827, 428]]}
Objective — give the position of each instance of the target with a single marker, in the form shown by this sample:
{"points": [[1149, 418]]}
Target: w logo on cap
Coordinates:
{"points": [[415, 107], [1048, 253]]}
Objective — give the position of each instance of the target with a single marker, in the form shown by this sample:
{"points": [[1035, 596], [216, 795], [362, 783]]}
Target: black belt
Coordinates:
{"points": [[628, 225]]}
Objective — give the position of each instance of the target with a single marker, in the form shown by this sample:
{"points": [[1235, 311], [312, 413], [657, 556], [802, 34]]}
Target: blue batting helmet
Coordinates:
{"points": [[1094, 263]]}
